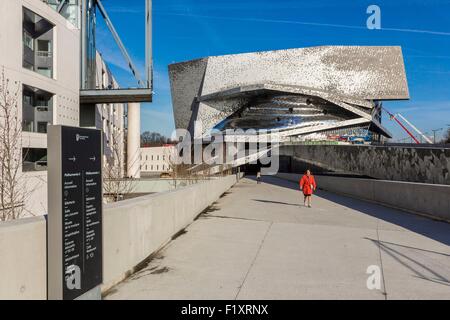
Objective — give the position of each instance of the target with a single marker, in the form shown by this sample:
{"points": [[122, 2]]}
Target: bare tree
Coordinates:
{"points": [[12, 184], [181, 171], [115, 183], [176, 170], [447, 136], [153, 139]]}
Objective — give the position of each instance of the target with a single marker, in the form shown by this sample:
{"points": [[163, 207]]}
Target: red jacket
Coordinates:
{"points": [[308, 184]]}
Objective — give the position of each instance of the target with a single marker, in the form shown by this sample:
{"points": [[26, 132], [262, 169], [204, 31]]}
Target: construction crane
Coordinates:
{"points": [[398, 115]]}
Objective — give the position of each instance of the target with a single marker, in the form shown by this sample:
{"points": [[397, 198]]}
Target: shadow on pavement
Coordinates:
{"points": [[436, 230], [276, 202], [411, 257]]}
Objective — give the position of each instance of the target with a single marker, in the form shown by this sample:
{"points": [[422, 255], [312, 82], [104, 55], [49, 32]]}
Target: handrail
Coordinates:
{"points": [[47, 54]]}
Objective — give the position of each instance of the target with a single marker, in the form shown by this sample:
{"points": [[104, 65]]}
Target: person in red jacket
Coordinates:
{"points": [[308, 186]]}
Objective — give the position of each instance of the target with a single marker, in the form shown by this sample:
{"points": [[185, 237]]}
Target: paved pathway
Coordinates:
{"points": [[256, 242]]}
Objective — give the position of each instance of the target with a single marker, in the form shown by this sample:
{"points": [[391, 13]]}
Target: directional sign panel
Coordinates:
{"points": [[75, 211]]}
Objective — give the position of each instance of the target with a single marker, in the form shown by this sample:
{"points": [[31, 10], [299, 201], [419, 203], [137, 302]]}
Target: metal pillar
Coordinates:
{"points": [[148, 44], [88, 49], [83, 44]]}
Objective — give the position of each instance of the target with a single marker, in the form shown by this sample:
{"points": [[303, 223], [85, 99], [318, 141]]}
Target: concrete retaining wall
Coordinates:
{"points": [[432, 200], [411, 164], [132, 230], [23, 259], [144, 185]]}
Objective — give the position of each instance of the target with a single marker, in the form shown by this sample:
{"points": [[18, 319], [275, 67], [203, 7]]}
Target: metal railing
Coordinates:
{"points": [[44, 54]]}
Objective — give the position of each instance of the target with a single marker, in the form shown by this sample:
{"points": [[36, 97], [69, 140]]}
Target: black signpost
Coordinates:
{"points": [[74, 234]]}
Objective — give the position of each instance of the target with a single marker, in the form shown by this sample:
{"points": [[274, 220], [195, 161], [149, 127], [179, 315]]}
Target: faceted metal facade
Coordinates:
{"points": [[298, 91]]}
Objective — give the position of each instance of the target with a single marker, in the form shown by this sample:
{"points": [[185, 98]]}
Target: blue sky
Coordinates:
{"points": [[188, 29]]}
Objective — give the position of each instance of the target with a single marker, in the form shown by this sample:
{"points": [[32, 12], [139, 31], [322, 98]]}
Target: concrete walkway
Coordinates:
{"points": [[256, 242]]}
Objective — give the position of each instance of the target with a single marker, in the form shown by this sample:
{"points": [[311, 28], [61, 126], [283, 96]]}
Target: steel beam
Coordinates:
{"points": [[119, 42], [61, 6], [324, 127], [116, 95], [83, 64]]}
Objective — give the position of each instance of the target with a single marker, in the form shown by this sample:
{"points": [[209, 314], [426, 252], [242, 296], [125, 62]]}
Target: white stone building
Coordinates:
{"points": [[109, 117], [40, 54], [156, 160]]}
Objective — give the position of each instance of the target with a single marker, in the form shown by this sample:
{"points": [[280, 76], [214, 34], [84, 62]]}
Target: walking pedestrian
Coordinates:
{"points": [[258, 177], [308, 186]]}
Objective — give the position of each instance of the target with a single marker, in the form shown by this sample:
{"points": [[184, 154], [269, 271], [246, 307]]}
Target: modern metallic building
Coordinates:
{"points": [[312, 93]]}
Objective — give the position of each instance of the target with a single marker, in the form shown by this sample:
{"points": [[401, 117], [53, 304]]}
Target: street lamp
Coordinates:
{"points": [[434, 133]]}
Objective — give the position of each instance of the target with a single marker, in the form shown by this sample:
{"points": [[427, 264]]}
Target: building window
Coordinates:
{"points": [[34, 159], [28, 66], [28, 40], [42, 127], [68, 9], [44, 48], [28, 97], [37, 109], [45, 71], [37, 43]]}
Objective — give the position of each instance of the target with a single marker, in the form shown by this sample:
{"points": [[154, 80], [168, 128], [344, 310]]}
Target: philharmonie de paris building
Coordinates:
{"points": [[320, 93]]}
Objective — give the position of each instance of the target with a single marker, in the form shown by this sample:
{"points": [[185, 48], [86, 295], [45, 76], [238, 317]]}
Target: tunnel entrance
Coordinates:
{"points": [[252, 169]]}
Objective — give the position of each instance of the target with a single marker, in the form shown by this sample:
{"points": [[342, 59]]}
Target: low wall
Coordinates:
{"points": [[132, 230], [146, 185], [23, 259], [410, 164], [136, 228], [432, 200]]}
